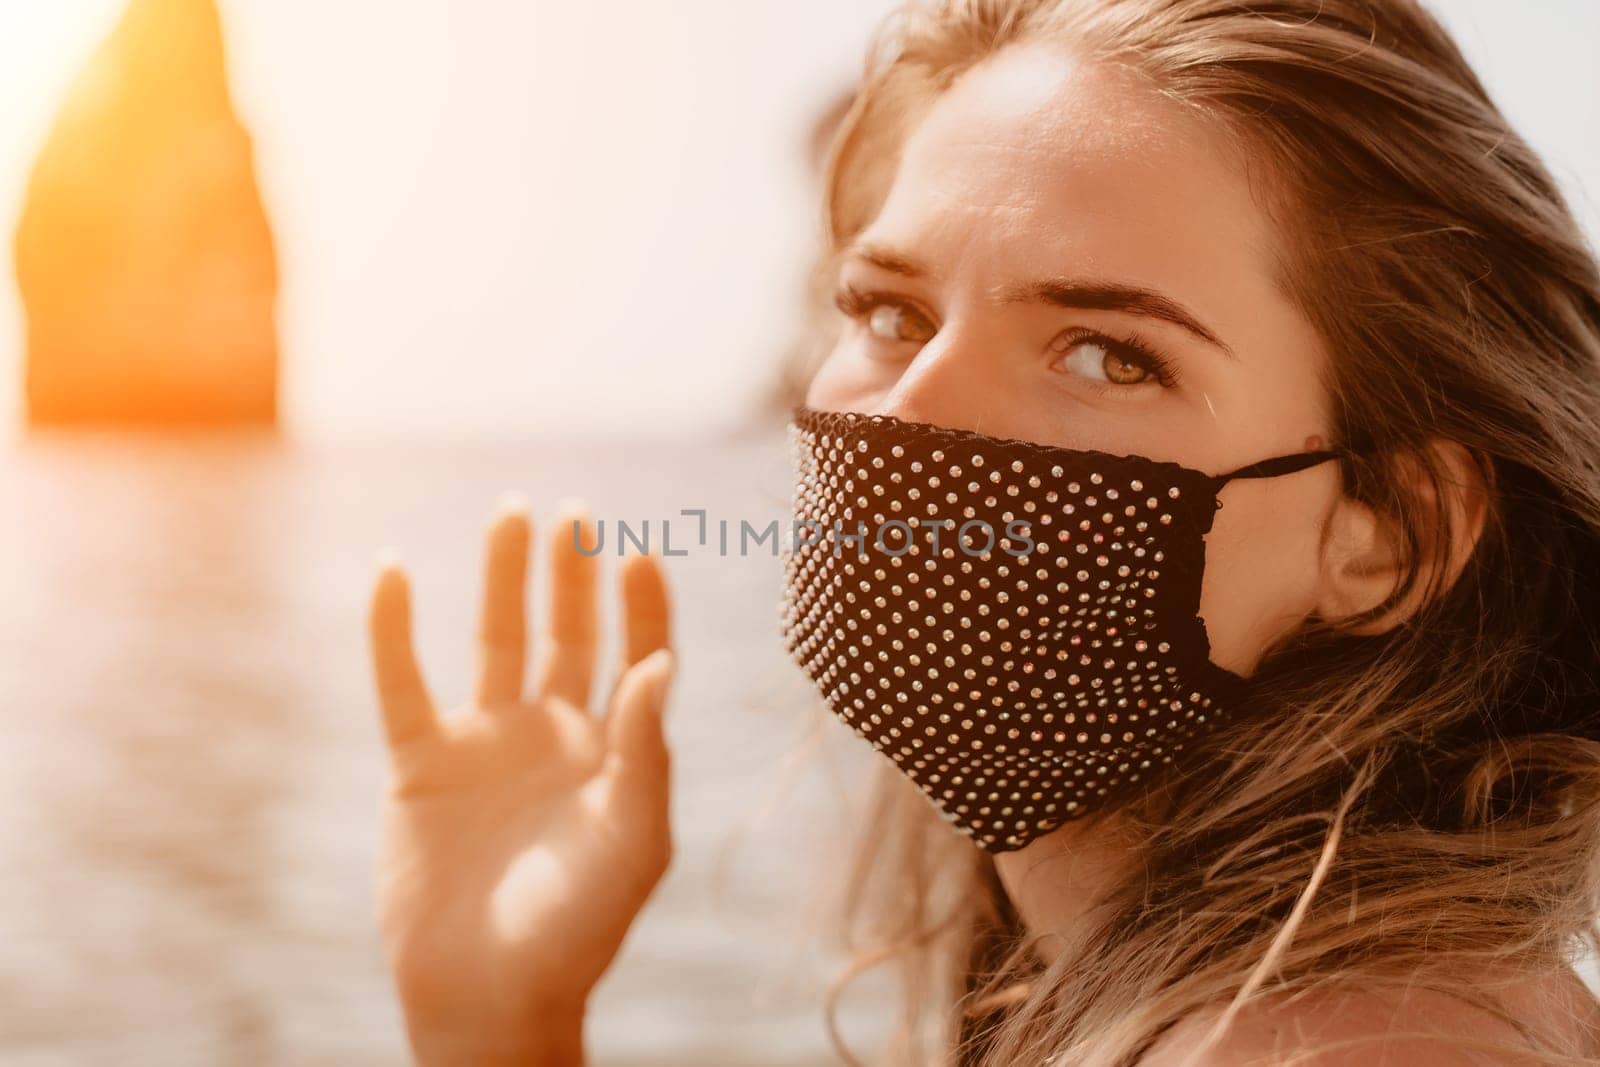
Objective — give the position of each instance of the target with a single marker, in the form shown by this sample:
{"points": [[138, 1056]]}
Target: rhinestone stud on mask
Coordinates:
{"points": [[1015, 625]]}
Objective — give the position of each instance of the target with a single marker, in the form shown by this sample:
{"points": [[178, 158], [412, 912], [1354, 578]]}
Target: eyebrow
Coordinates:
{"points": [[1062, 292]]}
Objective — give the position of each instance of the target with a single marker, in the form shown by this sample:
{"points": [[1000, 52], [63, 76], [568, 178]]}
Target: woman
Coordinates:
{"points": [[1199, 235]]}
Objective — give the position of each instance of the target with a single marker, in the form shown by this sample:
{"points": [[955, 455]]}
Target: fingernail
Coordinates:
{"points": [[513, 500], [570, 504], [669, 669]]}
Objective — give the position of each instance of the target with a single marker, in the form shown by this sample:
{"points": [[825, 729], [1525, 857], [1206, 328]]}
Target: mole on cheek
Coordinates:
{"points": [[1314, 443]]}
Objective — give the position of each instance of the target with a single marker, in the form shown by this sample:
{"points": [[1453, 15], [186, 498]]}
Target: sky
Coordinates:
{"points": [[519, 218]]}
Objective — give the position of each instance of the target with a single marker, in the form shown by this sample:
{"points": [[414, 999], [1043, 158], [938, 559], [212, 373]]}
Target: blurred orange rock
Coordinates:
{"points": [[144, 256]]}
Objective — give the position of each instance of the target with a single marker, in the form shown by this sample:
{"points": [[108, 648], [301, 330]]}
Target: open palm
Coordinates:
{"points": [[521, 833]]}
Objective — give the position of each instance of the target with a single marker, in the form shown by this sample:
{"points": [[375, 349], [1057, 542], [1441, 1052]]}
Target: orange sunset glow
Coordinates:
{"points": [[144, 256]]}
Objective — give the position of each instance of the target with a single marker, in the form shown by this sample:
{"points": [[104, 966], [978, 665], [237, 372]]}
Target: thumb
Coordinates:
{"points": [[635, 742]]}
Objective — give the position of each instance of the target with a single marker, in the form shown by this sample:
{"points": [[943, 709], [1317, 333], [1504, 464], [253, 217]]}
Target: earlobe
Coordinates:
{"points": [[1363, 562]]}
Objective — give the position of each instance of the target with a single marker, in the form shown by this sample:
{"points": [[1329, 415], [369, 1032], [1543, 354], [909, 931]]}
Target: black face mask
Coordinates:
{"points": [[1015, 625]]}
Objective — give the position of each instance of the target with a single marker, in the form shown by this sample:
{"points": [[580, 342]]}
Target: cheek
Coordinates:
{"points": [[1261, 574]]}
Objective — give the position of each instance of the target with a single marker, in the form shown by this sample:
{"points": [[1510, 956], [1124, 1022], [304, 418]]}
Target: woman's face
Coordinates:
{"points": [[1066, 257]]}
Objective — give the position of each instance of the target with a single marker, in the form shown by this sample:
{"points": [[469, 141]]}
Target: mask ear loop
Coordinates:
{"points": [[1271, 468]]}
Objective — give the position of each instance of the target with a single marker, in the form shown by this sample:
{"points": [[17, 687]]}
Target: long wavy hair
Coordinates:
{"points": [[1419, 808]]}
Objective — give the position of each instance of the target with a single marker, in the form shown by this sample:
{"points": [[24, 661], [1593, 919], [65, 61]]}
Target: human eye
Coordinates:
{"points": [[889, 318], [1113, 364]]}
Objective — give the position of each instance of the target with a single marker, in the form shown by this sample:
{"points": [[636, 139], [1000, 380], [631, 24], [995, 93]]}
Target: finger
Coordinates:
{"points": [[571, 629], [636, 743], [502, 628], [646, 613], [407, 709], [645, 607]]}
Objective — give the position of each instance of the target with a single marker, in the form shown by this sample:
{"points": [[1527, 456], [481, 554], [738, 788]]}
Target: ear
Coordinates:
{"points": [[1361, 562]]}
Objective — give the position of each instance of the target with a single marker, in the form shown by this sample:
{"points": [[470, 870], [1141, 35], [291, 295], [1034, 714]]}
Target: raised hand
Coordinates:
{"points": [[521, 833]]}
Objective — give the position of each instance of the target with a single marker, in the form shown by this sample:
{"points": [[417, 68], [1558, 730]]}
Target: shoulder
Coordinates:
{"points": [[1413, 1028]]}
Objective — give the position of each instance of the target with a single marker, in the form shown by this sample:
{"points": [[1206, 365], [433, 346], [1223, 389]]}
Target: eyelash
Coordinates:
{"points": [[856, 303], [1131, 349]]}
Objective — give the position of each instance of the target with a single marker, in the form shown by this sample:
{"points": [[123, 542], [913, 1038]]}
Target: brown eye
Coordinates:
{"points": [[1100, 360], [1122, 371], [896, 322], [886, 317]]}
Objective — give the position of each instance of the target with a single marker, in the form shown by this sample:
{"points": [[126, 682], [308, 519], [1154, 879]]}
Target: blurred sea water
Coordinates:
{"points": [[190, 752]]}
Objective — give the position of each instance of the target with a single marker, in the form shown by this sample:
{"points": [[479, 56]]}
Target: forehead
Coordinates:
{"points": [[1035, 161]]}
